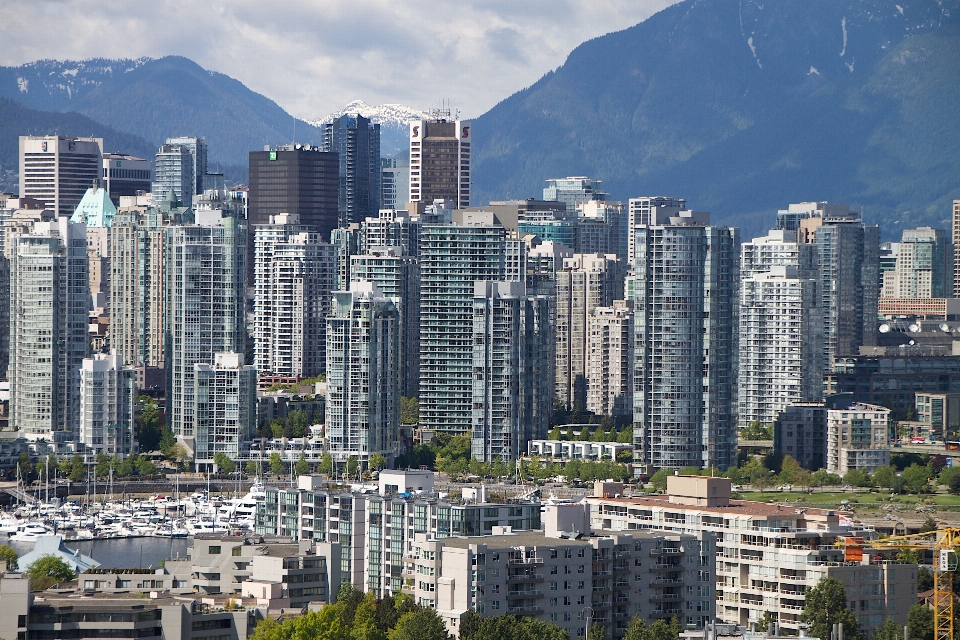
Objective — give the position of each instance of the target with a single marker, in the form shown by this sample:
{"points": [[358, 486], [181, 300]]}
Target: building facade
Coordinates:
{"points": [[204, 273], [780, 344], [941, 411], [224, 407], [58, 170], [452, 258], [174, 174], [49, 302], [363, 372], [647, 211], [394, 182], [858, 437], [440, 160], [574, 191], [125, 175], [610, 360], [684, 289], [924, 266], [294, 277], [800, 432], [766, 557], [108, 391], [584, 282], [512, 369], [397, 276], [356, 141], [296, 179]]}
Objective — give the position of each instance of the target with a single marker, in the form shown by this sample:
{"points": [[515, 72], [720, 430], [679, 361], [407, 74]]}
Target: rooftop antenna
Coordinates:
{"points": [[294, 130]]}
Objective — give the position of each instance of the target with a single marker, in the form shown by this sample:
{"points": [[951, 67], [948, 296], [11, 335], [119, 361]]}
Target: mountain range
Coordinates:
{"points": [[745, 106], [392, 118], [740, 106]]}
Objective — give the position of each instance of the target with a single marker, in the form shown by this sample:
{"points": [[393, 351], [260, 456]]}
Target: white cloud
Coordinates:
{"points": [[313, 56]]}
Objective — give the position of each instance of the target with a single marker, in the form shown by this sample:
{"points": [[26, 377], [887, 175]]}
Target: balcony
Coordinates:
{"points": [[666, 566], [530, 611], [525, 577], [524, 594], [661, 581], [666, 551], [521, 561], [666, 597]]}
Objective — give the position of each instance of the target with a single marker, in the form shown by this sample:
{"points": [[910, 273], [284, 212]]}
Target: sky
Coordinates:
{"points": [[314, 56]]}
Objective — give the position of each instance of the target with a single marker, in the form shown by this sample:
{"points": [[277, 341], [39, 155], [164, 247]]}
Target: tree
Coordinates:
{"points": [[353, 466], [178, 455], [422, 624], [756, 430], [9, 555], [48, 571], [149, 427], [857, 478], [365, 625], [790, 471], [625, 436], [500, 469], [569, 435], [950, 477], [509, 627], [301, 466], [224, 463], [553, 435], [250, 467], [409, 410], [637, 629], [823, 478], [599, 435], [77, 468], [470, 623], [326, 464], [276, 464], [768, 618], [920, 622], [663, 630], [377, 461], [659, 479], [889, 630], [884, 477], [915, 477], [167, 440], [584, 434], [825, 606], [930, 524], [145, 467]]}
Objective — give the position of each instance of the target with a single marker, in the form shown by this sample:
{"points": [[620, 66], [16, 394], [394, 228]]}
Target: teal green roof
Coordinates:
{"points": [[95, 209]]}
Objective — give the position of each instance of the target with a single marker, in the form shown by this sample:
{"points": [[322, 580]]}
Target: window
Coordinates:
{"points": [[567, 616], [553, 602], [553, 586], [580, 569], [214, 550], [237, 551], [580, 584], [566, 601], [495, 605], [568, 553], [553, 553], [553, 570], [580, 553]]}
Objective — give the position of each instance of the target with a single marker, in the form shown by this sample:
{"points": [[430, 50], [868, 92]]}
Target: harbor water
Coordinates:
{"points": [[123, 553]]}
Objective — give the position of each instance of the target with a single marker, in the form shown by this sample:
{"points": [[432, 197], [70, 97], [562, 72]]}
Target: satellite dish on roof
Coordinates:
{"points": [[914, 328], [945, 327], [884, 328]]}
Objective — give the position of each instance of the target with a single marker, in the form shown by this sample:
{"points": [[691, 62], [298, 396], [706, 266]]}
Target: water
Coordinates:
{"points": [[123, 553]]}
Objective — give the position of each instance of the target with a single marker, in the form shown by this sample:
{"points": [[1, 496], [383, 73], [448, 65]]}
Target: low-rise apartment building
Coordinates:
{"points": [[568, 578], [767, 556], [858, 437], [375, 530]]}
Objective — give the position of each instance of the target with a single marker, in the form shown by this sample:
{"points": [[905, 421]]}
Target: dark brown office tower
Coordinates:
{"points": [[297, 179]]}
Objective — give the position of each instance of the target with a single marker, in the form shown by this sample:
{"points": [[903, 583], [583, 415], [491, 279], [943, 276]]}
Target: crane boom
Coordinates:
{"points": [[944, 543]]}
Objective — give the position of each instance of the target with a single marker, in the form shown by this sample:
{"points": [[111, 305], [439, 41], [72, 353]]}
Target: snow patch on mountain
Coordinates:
{"points": [[396, 115]]}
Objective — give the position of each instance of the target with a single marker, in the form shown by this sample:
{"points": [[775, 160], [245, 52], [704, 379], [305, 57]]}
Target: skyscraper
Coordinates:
{"points": [[573, 191], [125, 175], [197, 148], [848, 254], [224, 408], [49, 299], [610, 360], [297, 179], [356, 141], [108, 391], [204, 298], [512, 336], [781, 354], [392, 228], [440, 160], [684, 289], [394, 182], [295, 277], [452, 258], [58, 170], [363, 403], [137, 239], [647, 210], [956, 248], [397, 276], [174, 174], [924, 266], [584, 282]]}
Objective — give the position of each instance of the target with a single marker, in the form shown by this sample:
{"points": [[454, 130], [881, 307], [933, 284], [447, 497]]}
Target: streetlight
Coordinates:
{"points": [[589, 617]]}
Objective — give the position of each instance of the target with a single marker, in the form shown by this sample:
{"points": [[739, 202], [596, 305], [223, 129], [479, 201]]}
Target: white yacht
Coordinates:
{"points": [[8, 525], [30, 531]]}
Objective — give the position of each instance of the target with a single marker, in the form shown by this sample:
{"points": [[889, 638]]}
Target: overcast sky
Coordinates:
{"points": [[314, 56]]}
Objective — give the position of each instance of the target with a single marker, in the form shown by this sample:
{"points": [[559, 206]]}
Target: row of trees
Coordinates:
{"points": [[600, 434]]}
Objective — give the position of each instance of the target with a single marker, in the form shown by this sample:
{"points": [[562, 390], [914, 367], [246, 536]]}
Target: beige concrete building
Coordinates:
{"points": [[767, 556], [610, 360], [584, 282], [565, 575], [858, 437]]}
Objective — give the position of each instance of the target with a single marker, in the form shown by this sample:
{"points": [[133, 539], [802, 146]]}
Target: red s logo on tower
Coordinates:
{"points": [[416, 131], [466, 133]]}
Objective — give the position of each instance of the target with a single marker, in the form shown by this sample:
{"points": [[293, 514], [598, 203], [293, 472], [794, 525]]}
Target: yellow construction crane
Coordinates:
{"points": [[944, 543]]}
